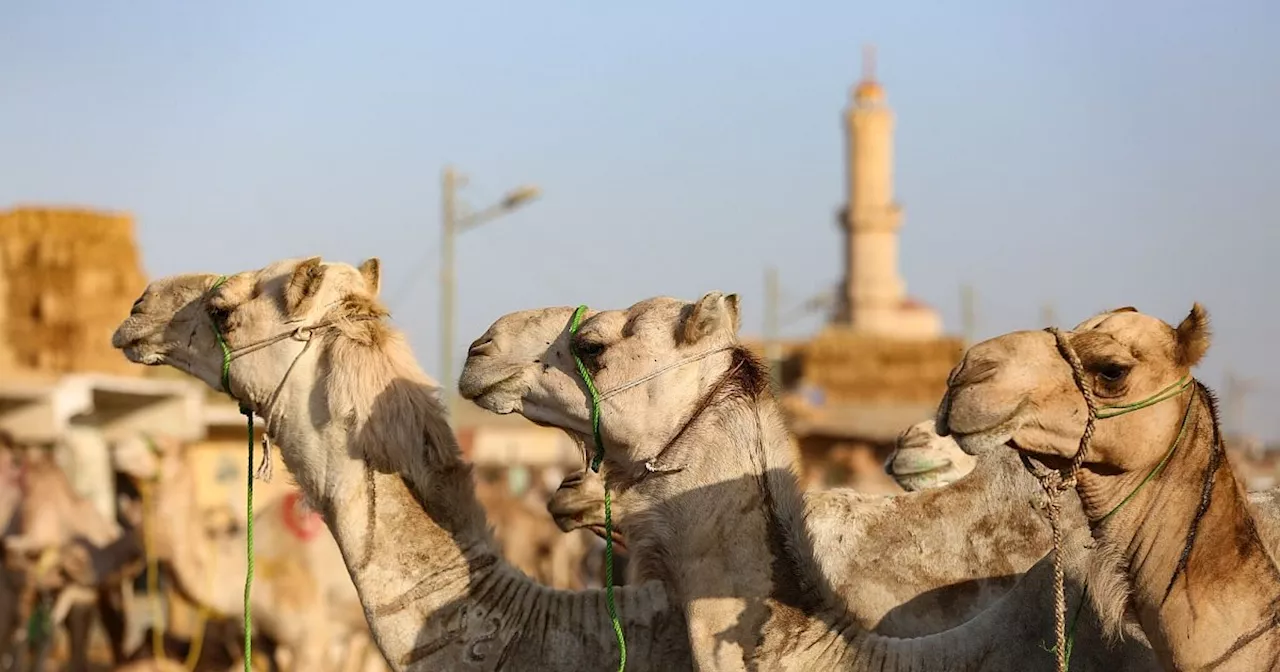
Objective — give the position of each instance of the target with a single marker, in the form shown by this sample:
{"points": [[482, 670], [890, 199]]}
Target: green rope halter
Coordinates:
{"points": [[248, 413], [595, 466], [1116, 410]]}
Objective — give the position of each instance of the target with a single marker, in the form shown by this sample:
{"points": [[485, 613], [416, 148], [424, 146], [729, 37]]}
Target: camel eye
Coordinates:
{"points": [[588, 349], [220, 316], [1112, 373]]}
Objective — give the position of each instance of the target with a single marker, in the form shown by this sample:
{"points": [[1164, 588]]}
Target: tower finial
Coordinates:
{"points": [[869, 63]]}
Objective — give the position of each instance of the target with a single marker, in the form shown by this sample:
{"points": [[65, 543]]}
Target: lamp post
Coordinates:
{"points": [[454, 222]]}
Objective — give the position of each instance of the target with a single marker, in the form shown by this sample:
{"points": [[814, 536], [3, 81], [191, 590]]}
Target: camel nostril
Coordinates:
{"points": [[972, 371], [482, 346]]}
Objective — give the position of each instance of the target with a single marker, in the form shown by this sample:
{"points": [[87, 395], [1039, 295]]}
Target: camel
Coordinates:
{"points": [[704, 475], [922, 459], [530, 541], [58, 544], [302, 598], [363, 430], [1169, 514]]}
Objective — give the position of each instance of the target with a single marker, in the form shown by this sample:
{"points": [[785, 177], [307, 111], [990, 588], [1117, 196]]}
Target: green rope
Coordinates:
{"points": [[39, 625], [1167, 393], [1120, 409], [595, 466], [248, 413]]}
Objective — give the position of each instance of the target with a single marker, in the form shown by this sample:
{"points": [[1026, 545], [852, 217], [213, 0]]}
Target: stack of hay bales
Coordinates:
{"points": [[67, 279], [853, 367]]}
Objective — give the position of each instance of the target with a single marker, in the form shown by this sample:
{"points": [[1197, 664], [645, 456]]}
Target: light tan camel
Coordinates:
{"points": [[363, 431], [58, 544], [302, 596], [530, 540], [1156, 486], [922, 459], [579, 504], [705, 478]]}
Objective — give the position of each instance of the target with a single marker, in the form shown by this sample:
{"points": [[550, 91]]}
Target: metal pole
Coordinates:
{"points": [[968, 313], [771, 345], [1048, 314], [448, 229]]}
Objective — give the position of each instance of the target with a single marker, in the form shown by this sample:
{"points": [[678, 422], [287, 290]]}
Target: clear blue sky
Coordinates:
{"points": [[1092, 154]]}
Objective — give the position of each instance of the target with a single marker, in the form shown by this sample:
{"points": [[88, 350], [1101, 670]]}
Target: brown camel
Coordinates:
{"points": [[1152, 474], [705, 479], [363, 430]]}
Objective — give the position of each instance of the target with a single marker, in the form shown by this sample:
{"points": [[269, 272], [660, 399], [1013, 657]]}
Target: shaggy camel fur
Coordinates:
{"points": [[1155, 483], [302, 597], [705, 474], [364, 432]]}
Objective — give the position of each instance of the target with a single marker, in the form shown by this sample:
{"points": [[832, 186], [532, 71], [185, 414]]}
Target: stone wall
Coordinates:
{"points": [[67, 278]]}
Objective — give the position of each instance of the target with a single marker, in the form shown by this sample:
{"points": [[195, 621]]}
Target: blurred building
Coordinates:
{"points": [[881, 363]]}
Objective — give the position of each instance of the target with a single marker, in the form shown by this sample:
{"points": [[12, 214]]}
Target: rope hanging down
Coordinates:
{"points": [[608, 510], [1055, 482], [248, 414]]}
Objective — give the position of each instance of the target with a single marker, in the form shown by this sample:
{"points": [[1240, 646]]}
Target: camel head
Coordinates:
{"points": [[140, 457], [651, 364], [1018, 390], [579, 503], [922, 459], [266, 318]]}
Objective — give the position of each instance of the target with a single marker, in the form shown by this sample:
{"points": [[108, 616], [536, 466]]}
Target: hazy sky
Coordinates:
{"points": [[1090, 154]]}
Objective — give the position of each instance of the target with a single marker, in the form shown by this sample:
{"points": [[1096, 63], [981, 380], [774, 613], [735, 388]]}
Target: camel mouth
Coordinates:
{"points": [[598, 530], [976, 443], [496, 397], [909, 466], [139, 353]]}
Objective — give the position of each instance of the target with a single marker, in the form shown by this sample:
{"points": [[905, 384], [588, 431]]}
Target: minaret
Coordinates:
{"points": [[875, 298]]}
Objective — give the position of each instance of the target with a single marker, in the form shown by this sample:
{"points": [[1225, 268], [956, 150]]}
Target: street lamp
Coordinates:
{"points": [[454, 222]]}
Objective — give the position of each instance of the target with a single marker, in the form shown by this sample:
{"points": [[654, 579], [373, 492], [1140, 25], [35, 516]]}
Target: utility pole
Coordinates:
{"points": [[1048, 314], [453, 222], [1234, 392], [968, 314], [448, 232], [771, 345]]}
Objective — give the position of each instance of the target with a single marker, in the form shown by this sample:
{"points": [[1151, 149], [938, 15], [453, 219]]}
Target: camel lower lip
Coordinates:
{"points": [[485, 395]]}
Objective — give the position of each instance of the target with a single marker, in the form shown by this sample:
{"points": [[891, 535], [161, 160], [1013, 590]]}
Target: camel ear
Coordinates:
{"points": [[1125, 309], [1191, 339], [371, 269], [303, 286], [713, 312]]}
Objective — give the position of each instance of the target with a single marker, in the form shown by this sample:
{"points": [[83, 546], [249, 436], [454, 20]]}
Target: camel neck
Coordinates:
{"points": [[372, 449], [1201, 575], [727, 531]]}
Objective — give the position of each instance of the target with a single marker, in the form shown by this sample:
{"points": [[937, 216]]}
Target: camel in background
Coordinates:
{"points": [[61, 552], [303, 599]]}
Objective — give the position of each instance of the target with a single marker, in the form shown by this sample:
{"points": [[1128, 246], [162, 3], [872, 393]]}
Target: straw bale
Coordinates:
{"points": [[854, 367], [67, 278]]}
